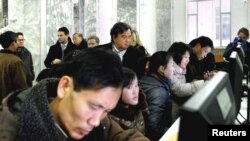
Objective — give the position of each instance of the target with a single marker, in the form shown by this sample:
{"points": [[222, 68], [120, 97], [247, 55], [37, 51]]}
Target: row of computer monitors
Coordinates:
{"points": [[217, 103]]}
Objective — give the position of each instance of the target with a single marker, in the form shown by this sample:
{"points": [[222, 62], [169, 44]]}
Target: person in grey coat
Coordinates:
{"points": [[181, 89]]}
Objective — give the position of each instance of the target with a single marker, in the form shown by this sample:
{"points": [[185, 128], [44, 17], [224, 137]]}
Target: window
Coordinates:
{"points": [[209, 18]]}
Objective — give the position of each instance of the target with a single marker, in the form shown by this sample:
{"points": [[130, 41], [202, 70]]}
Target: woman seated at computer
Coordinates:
{"points": [[157, 85], [180, 88]]}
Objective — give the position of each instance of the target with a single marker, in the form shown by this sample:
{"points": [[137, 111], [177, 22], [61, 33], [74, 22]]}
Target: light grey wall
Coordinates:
{"points": [[159, 22], [39, 21]]}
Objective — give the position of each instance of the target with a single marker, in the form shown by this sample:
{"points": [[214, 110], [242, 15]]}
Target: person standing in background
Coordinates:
{"points": [[93, 41], [26, 57], [79, 41], [11, 66], [62, 47]]}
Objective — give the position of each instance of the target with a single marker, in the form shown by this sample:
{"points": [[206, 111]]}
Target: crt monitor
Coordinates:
{"points": [[236, 75], [239, 49], [213, 104]]}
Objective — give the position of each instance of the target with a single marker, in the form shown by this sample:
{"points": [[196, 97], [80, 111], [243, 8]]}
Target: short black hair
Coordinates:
{"points": [[159, 58], [92, 68], [64, 29], [119, 28], [19, 33], [178, 49], [203, 40], [7, 38]]}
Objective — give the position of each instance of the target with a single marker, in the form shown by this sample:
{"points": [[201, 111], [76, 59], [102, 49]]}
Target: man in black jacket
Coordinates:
{"points": [[120, 44], [26, 57], [62, 47]]}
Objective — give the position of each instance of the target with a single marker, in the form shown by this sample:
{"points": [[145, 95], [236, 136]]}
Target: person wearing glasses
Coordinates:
{"points": [[26, 57]]}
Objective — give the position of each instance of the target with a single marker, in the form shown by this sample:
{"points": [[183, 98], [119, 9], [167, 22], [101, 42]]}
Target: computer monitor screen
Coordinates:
{"points": [[236, 75], [213, 104]]}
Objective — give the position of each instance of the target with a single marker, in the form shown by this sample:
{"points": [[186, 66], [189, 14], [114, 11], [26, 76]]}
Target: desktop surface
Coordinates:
{"points": [[172, 132]]}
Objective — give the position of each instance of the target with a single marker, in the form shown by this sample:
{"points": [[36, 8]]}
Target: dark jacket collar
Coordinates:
{"points": [[7, 51]]}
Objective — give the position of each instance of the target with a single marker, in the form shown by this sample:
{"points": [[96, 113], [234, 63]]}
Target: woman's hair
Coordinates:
{"points": [[136, 39], [178, 49], [203, 41], [7, 38], [244, 31], [159, 58], [129, 76]]}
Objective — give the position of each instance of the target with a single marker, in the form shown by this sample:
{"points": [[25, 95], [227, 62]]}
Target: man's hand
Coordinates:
{"points": [[56, 61]]}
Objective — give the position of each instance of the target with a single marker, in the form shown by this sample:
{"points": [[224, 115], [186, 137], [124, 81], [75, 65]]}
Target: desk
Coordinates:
{"points": [[172, 132]]}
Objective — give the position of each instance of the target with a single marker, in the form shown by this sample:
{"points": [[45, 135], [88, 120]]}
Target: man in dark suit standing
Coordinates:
{"points": [[62, 47], [120, 44]]}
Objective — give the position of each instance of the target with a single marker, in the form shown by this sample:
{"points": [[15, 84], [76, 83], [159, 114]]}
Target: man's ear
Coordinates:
{"points": [[161, 69], [64, 85]]}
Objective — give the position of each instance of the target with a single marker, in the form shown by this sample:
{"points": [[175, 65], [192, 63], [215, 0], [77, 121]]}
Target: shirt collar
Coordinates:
{"points": [[64, 45], [117, 51]]}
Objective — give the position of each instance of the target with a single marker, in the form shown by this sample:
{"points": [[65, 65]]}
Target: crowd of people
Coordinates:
{"points": [[115, 91]]}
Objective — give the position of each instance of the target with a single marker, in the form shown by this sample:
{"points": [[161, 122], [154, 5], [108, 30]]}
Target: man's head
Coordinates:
{"points": [[121, 35], [8, 40], [20, 39], [90, 86], [77, 38], [201, 46], [93, 41], [63, 34]]}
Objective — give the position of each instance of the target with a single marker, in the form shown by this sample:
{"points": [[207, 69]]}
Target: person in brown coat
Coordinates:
{"points": [[11, 66], [73, 105]]}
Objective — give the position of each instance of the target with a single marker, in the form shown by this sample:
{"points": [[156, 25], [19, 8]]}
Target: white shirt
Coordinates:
{"points": [[119, 53]]}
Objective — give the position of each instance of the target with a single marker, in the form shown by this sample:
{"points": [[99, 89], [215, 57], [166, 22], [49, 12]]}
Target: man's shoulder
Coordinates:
{"points": [[134, 51], [8, 122], [57, 44], [106, 46]]}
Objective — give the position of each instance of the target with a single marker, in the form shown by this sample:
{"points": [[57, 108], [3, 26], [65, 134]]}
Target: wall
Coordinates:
{"points": [[39, 21], [159, 22], [239, 16], [179, 20]]}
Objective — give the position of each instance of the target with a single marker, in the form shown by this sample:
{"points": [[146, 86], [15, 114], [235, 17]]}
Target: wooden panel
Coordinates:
{"points": [[218, 54]]}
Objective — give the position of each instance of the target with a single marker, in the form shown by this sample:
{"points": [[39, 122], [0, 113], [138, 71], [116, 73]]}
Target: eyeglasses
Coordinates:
{"points": [[20, 40]]}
